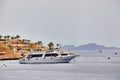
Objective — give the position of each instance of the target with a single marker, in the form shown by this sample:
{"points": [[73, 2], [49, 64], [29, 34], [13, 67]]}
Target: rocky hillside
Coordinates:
{"points": [[6, 53]]}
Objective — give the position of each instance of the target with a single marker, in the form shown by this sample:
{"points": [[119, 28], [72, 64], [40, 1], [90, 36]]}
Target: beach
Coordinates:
{"points": [[90, 65]]}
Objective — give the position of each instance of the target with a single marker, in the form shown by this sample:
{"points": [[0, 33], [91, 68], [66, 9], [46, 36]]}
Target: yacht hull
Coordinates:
{"points": [[50, 60]]}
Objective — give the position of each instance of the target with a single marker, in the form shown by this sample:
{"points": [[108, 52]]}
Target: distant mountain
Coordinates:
{"points": [[90, 46], [69, 47]]}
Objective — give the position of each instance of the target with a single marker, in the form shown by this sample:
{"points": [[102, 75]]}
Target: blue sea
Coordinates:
{"points": [[90, 65]]}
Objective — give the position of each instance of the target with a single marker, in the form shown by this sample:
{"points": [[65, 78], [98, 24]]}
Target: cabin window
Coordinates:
{"points": [[29, 56], [38, 55], [48, 55], [64, 54]]}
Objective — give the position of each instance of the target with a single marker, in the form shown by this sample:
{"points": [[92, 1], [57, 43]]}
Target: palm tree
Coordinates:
{"points": [[50, 45], [8, 36], [5, 42], [39, 42], [17, 36], [12, 39], [28, 41], [5, 37], [0, 37], [23, 41], [58, 46]]}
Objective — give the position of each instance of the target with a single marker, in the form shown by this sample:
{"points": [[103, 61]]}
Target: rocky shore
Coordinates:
{"points": [[12, 48]]}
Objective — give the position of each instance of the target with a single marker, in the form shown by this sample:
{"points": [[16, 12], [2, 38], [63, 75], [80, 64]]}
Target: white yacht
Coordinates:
{"points": [[46, 58]]}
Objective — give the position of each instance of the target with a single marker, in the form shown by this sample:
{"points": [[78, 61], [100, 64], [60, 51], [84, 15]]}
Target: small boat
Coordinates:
{"points": [[100, 50], [115, 53], [108, 58], [46, 58]]}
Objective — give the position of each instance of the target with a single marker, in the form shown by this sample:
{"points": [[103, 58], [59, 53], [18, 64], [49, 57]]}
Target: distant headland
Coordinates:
{"points": [[90, 46]]}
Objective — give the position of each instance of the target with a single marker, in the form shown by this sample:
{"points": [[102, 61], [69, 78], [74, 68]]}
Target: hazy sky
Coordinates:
{"points": [[62, 21]]}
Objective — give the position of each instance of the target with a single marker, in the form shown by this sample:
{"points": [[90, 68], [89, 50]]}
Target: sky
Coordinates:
{"points": [[65, 22]]}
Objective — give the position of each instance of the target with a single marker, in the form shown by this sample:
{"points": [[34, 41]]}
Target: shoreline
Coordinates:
{"points": [[9, 59]]}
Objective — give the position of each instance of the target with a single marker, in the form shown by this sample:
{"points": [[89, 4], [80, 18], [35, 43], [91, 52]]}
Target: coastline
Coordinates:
{"points": [[9, 59]]}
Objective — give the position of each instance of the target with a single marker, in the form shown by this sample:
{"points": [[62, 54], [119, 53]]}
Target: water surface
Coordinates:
{"points": [[91, 65]]}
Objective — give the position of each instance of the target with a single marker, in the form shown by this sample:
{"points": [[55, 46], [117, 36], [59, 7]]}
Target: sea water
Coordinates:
{"points": [[90, 65]]}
